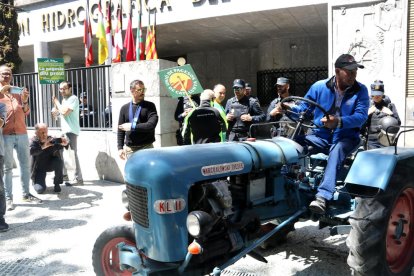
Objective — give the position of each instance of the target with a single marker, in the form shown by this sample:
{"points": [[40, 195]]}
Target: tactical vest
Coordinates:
{"points": [[239, 109]]}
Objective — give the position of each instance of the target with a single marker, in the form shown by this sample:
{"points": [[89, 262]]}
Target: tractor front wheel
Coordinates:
{"points": [[105, 254]]}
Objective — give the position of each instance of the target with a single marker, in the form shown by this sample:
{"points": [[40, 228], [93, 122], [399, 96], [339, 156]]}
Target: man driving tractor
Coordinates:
{"points": [[346, 103]]}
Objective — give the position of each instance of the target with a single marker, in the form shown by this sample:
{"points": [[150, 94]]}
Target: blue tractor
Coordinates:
{"points": [[198, 209]]}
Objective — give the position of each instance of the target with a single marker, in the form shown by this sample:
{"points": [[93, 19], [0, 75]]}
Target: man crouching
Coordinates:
{"points": [[45, 152]]}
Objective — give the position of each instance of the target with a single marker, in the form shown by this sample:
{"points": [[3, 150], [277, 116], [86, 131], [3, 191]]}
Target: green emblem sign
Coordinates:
{"points": [[51, 70], [180, 81]]}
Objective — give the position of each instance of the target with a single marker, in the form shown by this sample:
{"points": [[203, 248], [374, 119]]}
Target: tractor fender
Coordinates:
{"points": [[374, 168]]}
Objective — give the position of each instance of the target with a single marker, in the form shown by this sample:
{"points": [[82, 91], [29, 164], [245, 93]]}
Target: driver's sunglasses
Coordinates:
{"points": [[236, 88]]}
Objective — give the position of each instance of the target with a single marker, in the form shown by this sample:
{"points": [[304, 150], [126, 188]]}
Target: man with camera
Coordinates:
{"points": [[45, 152]]}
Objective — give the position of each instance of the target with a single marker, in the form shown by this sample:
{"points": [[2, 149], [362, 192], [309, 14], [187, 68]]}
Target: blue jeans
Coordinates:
{"points": [[336, 156], [20, 143]]}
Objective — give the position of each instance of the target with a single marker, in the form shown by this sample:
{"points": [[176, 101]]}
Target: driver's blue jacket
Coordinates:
{"points": [[353, 109]]}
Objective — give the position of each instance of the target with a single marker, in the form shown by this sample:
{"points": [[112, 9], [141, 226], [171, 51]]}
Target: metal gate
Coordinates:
{"points": [[300, 81], [89, 84]]}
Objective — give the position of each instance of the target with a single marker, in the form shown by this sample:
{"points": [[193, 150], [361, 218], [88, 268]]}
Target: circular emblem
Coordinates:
{"points": [[368, 53], [180, 81]]}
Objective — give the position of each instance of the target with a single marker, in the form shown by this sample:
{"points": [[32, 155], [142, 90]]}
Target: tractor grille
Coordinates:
{"points": [[138, 204]]}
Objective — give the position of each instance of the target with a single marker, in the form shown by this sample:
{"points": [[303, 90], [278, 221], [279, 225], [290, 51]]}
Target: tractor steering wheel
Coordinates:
{"points": [[299, 118]]}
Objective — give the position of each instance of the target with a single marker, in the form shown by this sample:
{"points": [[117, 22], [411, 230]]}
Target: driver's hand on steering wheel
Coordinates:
{"points": [[331, 122]]}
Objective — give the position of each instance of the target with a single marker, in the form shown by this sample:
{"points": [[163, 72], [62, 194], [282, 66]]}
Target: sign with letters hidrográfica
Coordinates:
{"points": [[180, 81], [51, 70]]}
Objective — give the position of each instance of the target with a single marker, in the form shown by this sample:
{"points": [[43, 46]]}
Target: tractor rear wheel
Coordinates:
{"points": [[381, 241]]}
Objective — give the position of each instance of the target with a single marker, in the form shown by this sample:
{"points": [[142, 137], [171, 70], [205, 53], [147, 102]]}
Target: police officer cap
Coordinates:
{"points": [[282, 81], [239, 83], [377, 88], [248, 85]]}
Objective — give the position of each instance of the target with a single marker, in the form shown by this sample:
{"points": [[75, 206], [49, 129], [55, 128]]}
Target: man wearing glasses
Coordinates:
{"points": [[242, 111], [68, 111], [137, 122]]}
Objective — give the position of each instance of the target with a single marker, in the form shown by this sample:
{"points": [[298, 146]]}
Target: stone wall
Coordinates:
{"points": [[375, 34]]}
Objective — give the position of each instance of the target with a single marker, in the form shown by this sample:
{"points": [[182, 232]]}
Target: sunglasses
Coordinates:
{"points": [[237, 88]]}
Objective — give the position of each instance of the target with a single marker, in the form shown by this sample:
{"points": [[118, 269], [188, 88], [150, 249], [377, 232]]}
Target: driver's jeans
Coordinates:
{"points": [[336, 155]]}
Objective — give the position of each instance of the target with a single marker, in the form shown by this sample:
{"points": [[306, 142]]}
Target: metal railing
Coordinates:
{"points": [[90, 84]]}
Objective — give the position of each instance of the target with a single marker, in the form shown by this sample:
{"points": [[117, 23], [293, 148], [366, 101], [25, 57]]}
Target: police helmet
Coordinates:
{"points": [[389, 126]]}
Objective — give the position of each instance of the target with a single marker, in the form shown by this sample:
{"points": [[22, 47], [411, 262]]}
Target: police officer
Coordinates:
{"points": [[273, 115], [242, 111], [204, 124], [381, 107]]}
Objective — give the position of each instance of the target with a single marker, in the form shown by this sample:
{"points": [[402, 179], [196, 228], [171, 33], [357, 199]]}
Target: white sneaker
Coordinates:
{"points": [[9, 205]]}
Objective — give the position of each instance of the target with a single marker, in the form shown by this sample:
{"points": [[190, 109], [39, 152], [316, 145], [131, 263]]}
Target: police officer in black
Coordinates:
{"points": [[242, 111], [381, 107], [273, 115]]}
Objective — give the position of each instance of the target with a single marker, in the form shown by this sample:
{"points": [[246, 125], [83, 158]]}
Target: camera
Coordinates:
{"points": [[57, 141]]}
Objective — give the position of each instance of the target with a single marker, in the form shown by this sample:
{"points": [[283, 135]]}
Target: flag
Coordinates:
{"points": [[154, 48], [87, 37], [150, 49], [118, 44], [140, 53], [108, 32], [129, 41], [101, 36]]}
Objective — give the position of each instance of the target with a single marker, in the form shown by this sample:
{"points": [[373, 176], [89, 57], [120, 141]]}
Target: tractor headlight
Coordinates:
{"points": [[125, 201], [199, 223]]}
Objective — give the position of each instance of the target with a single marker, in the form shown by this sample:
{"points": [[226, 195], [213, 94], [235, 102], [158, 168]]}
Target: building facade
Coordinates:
{"points": [[228, 39]]}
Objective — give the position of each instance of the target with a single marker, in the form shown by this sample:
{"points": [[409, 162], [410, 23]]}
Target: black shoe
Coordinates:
{"points": [[57, 188], [31, 198], [318, 206], [3, 225]]}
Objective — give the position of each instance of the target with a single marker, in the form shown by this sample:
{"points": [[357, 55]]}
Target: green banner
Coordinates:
{"points": [[180, 81], [51, 70]]}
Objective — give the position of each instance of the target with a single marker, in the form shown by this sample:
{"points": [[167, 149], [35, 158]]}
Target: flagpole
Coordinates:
{"points": [[186, 92], [122, 17]]}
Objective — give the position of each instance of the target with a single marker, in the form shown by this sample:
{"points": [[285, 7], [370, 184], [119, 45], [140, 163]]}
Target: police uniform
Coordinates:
{"points": [[238, 129], [373, 123]]}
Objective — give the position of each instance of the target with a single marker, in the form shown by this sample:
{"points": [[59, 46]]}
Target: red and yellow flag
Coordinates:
{"points": [[150, 49]]}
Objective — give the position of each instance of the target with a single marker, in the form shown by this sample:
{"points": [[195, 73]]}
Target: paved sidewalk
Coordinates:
{"points": [[57, 236]]}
